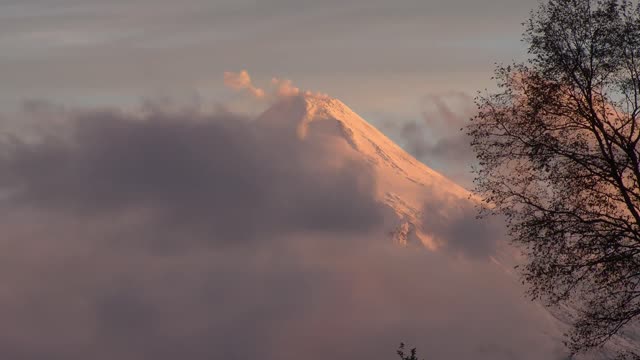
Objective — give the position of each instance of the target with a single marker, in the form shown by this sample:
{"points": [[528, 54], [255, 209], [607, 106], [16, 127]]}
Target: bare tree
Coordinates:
{"points": [[558, 154]]}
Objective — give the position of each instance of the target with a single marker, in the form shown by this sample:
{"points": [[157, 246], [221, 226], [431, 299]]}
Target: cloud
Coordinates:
{"points": [[164, 235], [241, 81], [284, 87], [211, 174], [279, 88], [453, 223], [438, 139]]}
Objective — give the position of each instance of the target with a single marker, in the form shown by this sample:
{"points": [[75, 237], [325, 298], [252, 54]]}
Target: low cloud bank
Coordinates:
{"points": [[166, 235]]}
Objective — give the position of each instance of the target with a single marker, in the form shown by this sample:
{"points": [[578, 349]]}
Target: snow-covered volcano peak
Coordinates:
{"points": [[403, 183], [310, 115]]}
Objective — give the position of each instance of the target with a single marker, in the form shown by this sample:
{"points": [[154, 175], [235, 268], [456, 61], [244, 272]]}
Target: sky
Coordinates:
{"points": [[378, 56], [388, 60], [148, 213]]}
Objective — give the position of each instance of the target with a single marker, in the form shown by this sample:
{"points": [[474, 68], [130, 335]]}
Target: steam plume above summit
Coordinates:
{"points": [[278, 88]]}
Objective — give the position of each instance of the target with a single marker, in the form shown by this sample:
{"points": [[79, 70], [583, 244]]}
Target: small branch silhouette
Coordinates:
{"points": [[412, 355]]}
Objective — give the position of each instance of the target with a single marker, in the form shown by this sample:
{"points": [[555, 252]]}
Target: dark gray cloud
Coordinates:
{"points": [[209, 174], [118, 234]]}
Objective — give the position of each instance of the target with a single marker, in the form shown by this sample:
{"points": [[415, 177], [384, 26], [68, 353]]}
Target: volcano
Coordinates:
{"points": [[403, 184]]}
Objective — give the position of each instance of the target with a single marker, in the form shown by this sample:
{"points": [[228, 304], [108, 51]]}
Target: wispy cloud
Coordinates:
{"points": [[438, 138]]}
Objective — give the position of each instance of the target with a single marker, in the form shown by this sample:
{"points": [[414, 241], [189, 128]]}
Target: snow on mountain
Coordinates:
{"points": [[403, 183]]}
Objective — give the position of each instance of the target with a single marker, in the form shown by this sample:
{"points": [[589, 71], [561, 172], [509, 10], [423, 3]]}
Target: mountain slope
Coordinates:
{"points": [[402, 183]]}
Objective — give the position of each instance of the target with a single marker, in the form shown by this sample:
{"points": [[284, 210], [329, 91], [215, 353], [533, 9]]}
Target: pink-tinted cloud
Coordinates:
{"points": [[284, 87], [277, 89], [241, 81]]}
